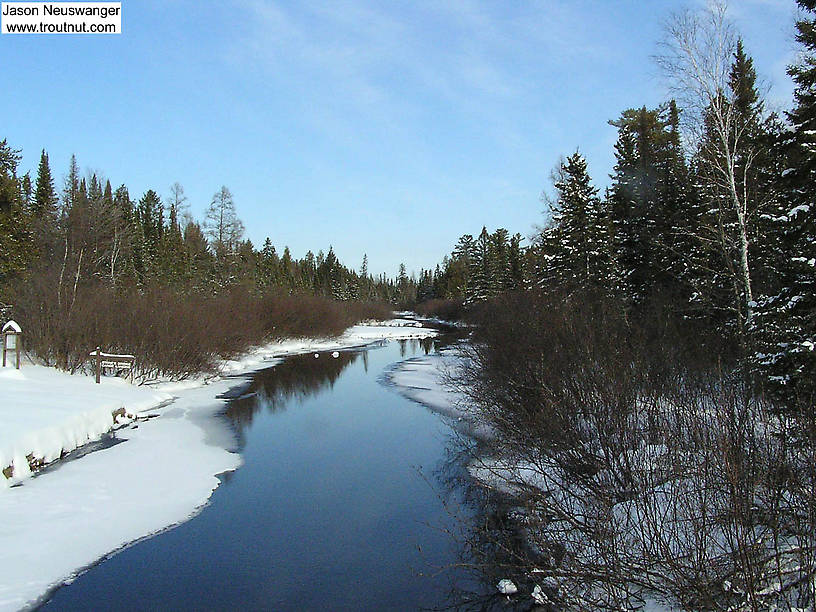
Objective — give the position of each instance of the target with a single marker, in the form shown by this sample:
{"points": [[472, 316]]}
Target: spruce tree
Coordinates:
{"points": [[581, 249], [784, 324], [44, 208], [647, 200], [16, 239], [480, 286]]}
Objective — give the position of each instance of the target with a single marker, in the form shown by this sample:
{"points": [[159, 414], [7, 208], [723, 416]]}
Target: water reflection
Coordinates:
{"points": [[296, 378], [490, 533], [414, 345], [299, 378], [327, 510]]}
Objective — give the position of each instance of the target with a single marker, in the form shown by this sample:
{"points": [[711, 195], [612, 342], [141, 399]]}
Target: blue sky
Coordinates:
{"points": [[386, 128]]}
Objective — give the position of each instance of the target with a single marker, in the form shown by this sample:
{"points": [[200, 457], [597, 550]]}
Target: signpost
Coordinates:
{"points": [[12, 337], [112, 361]]}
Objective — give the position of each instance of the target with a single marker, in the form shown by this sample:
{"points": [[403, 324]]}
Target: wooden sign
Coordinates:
{"points": [[119, 365], [112, 361]]}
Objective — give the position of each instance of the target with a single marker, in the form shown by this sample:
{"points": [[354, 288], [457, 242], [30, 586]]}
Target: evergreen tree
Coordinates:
{"points": [[16, 239], [44, 208], [9, 183], [480, 286], [459, 267], [516, 264], [499, 264], [647, 199], [71, 188], [26, 191], [364, 287], [579, 244], [784, 323]]}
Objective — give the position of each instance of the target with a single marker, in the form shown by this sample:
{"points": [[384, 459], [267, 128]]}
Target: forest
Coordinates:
{"points": [[708, 219], [647, 363], [647, 358], [87, 265]]}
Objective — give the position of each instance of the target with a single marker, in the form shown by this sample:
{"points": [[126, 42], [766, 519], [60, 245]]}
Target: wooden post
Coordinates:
{"points": [[98, 365], [19, 341], [4, 348]]}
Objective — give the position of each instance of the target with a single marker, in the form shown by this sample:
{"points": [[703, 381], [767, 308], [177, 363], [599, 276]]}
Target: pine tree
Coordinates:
{"points": [[579, 243], [784, 324], [16, 239]]}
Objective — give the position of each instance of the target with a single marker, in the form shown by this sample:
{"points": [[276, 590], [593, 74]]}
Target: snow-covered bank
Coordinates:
{"points": [[356, 336], [46, 413], [518, 480], [161, 471], [422, 379]]}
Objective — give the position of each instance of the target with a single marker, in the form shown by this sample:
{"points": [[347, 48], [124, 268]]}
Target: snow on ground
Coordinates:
{"points": [[423, 379], [358, 335], [45, 412], [160, 473]]}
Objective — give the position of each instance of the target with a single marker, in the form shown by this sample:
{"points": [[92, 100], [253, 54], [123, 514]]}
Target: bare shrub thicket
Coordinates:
{"points": [[171, 333], [447, 310], [647, 468]]}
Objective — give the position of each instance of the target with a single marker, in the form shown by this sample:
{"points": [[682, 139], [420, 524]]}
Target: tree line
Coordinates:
{"points": [[651, 389], [710, 211], [88, 265], [93, 233]]}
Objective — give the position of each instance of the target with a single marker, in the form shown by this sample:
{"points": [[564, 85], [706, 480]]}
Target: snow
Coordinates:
{"points": [[354, 337], [422, 379], [159, 474], [46, 413], [101, 354], [13, 326]]}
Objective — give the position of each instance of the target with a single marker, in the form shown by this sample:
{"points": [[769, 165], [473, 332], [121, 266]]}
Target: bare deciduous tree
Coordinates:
{"points": [[698, 51], [223, 226]]}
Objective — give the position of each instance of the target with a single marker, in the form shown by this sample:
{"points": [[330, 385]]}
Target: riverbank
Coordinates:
{"points": [[426, 379], [152, 474], [525, 483]]}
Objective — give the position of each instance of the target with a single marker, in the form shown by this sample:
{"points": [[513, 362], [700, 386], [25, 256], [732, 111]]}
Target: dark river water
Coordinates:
{"points": [[347, 500]]}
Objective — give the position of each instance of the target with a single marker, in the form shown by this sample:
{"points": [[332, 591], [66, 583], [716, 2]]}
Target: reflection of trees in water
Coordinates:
{"points": [[296, 378], [487, 532], [415, 345], [300, 377]]}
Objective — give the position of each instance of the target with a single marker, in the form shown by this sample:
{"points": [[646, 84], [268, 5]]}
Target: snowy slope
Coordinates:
{"points": [[45, 412]]}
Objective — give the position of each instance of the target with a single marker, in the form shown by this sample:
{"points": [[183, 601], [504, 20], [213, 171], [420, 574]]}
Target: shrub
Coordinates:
{"points": [[171, 333]]}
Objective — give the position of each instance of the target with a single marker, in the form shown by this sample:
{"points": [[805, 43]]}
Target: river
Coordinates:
{"points": [[349, 497]]}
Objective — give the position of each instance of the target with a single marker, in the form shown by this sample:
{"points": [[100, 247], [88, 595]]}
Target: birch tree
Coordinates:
{"points": [[698, 50]]}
